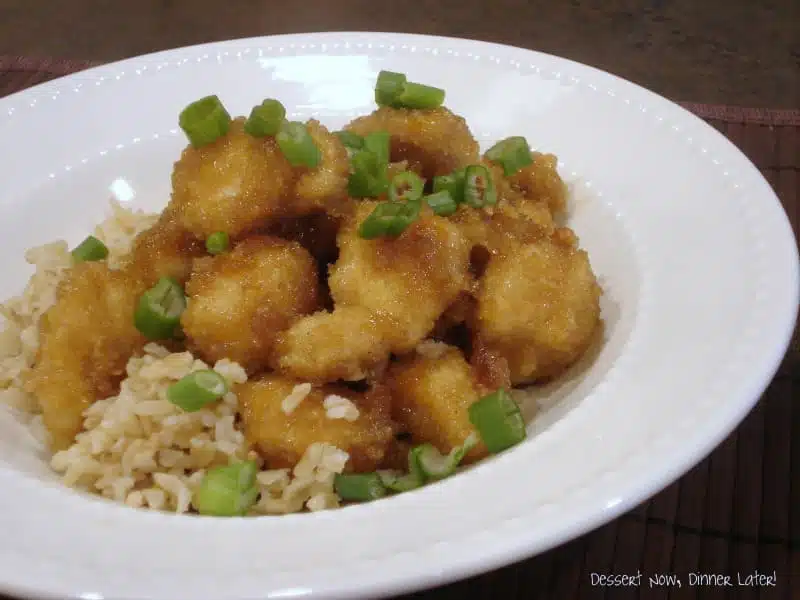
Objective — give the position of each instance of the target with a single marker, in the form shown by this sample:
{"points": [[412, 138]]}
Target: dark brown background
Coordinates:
{"points": [[718, 51], [739, 510]]}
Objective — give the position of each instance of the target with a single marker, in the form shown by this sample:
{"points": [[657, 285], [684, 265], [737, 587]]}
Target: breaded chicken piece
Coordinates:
{"points": [[541, 182], [347, 344], [407, 281], [513, 220], [387, 293], [434, 142], [325, 186], [164, 250], [431, 396], [539, 307], [239, 301], [234, 184], [281, 439], [86, 338]]}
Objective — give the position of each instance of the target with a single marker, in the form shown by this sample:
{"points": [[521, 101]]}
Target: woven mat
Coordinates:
{"points": [[736, 513]]}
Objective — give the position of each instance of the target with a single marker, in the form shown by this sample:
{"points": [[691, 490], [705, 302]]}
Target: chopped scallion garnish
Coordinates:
{"points": [[204, 121], [197, 389], [498, 421], [90, 249]]}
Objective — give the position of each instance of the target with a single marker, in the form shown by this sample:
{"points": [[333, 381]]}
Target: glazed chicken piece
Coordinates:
{"points": [[164, 250], [434, 142], [234, 184], [400, 286], [324, 188], [539, 307], [239, 301], [349, 343], [541, 182], [86, 338], [281, 438], [515, 219], [407, 281], [431, 395]]}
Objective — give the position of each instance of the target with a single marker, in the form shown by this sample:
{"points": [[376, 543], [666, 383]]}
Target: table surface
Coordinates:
{"points": [[740, 508], [713, 51]]}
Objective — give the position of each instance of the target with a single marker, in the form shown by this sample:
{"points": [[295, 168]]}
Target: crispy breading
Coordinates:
{"points": [[240, 301], [281, 439], [538, 307], [347, 344], [434, 142], [85, 340], [407, 281], [431, 397], [164, 250], [234, 184], [541, 182], [325, 186]]}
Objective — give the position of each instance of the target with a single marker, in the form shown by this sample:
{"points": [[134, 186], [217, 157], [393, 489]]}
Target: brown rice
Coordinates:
{"points": [[137, 447]]}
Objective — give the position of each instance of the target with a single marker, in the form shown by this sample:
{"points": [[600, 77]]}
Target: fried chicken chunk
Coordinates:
{"points": [[434, 142], [241, 300], [234, 184], [86, 338], [394, 290], [516, 218], [347, 344], [538, 307], [431, 396], [407, 281], [282, 438], [541, 182], [164, 250], [325, 186]]}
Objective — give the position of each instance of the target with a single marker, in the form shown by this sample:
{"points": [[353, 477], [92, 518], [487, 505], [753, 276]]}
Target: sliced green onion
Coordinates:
{"points": [[512, 154], [297, 145], [265, 119], [159, 311], [377, 143], [388, 87], [452, 183], [350, 140], [389, 219], [416, 95], [197, 389], [397, 481], [217, 242], [406, 187], [498, 421], [228, 491], [359, 487], [434, 465], [369, 177], [479, 187], [204, 121], [90, 249], [442, 203]]}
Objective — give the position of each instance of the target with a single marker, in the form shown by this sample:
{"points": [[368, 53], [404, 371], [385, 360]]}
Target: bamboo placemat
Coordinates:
{"points": [[735, 514]]}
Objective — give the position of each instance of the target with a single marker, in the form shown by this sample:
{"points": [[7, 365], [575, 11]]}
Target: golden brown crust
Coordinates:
{"points": [[434, 142], [240, 301], [431, 397], [281, 439], [539, 307], [164, 250], [234, 184], [85, 340]]}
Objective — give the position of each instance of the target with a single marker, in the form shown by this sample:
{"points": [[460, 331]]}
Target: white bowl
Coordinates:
{"points": [[695, 254]]}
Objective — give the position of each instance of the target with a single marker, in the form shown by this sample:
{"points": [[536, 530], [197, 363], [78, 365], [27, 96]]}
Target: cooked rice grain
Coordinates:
{"points": [[137, 447]]}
